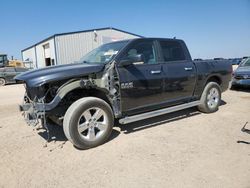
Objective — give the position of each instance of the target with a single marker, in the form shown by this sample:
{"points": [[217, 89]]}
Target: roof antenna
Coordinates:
{"points": [[174, 37]]}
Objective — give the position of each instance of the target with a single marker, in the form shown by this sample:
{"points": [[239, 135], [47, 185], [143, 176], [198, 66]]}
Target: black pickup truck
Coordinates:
{"points": [[127, 80]]}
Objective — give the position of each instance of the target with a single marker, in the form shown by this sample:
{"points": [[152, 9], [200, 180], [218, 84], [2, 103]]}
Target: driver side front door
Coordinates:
{"points": [[141, 82]]}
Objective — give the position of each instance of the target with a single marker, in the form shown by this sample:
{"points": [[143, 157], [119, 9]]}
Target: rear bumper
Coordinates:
{"points": [[242, 82]]}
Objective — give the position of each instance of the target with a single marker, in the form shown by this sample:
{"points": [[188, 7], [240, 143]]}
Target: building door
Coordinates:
{"points": [[47, 62], [47, 54]]}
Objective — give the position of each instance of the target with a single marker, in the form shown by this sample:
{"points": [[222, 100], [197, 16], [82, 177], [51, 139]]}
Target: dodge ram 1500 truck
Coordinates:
{"points": [[127, 80]]}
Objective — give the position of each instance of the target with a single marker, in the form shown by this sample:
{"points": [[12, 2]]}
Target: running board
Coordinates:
{"points": [[130, 119]]}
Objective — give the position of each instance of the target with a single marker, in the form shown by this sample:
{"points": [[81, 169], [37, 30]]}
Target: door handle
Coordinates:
{"points": [[156, 72], [188, 68]]}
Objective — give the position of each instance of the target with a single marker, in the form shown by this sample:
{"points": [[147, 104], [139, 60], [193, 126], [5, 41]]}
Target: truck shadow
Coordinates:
{"points": [[56, 132], [159, 120]]}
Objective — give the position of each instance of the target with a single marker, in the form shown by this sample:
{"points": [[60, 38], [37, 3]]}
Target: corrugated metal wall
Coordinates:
{"points": [[30, 55], [40, 51], [70, 48], [36, 54]]}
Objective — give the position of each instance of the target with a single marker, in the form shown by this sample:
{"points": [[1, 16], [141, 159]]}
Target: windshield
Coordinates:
{"points": [[104, 53], [245, 63]]}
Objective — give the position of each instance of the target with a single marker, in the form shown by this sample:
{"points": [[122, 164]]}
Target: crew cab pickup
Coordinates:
{"points": [[127, 81]]}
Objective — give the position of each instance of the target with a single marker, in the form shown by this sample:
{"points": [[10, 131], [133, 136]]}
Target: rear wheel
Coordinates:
{"points": [[2, 82], [88, 122], [210, 98]]}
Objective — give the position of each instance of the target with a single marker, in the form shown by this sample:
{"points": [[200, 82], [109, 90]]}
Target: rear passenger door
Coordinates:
{"points": [[179, 71]]}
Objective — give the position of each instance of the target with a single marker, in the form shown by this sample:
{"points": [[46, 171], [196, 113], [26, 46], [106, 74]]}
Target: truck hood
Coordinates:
{"points": [[39, 77]]}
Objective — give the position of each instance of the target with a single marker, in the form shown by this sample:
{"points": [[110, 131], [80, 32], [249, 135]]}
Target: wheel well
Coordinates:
{"points": [[76, 94], [214, 79], [80, 93]]}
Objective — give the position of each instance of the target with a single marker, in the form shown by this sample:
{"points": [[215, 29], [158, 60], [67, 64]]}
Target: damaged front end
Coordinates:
{"points": [[32, 110], [35, 105], [39, 102], [45, 88], [51, 100]]}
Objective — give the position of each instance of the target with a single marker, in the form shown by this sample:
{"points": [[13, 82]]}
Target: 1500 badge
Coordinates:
{"points": [[127, 85]]}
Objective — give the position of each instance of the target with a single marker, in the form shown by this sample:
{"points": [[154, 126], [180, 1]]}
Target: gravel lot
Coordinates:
{"points": [[182, 149]]}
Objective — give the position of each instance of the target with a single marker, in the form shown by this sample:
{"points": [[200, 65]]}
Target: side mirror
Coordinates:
{"points": [[131, 59]]}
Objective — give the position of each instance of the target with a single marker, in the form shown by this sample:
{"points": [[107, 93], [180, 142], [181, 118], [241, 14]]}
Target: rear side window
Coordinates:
{"points": [[172, 51]]}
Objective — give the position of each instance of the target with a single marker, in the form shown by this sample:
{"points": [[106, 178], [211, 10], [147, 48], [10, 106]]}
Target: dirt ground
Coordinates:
{"points": [[182, 149]]}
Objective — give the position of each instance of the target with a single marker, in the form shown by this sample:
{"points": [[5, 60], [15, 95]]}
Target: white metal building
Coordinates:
{"points": [[70, 47]]}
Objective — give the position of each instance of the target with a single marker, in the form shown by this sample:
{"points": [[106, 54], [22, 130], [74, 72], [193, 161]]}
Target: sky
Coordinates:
{"points": [[210, 28]]}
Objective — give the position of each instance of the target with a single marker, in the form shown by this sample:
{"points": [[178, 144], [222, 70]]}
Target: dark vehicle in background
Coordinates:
{"points": [[128, 81], [7, 74], [235, 61], [3, 60], [218, 58], [198, 59], [241, 76]]}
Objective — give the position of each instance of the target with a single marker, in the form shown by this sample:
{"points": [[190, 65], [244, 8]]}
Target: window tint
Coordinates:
{"points": [[172, 51], [10, 69], [146, 48]]}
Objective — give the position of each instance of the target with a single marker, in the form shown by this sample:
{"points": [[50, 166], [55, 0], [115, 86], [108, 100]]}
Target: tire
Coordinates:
{"points": [[210, 98], [88, 122], [2, 82]]}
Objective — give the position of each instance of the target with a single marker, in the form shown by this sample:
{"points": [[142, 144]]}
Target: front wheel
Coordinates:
{"points": [[88, 122], [210, 98]]}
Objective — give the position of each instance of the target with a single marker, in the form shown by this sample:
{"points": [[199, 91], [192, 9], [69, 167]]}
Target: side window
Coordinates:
{"points": [[9, 69], [146, 48], [172, 51]]}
